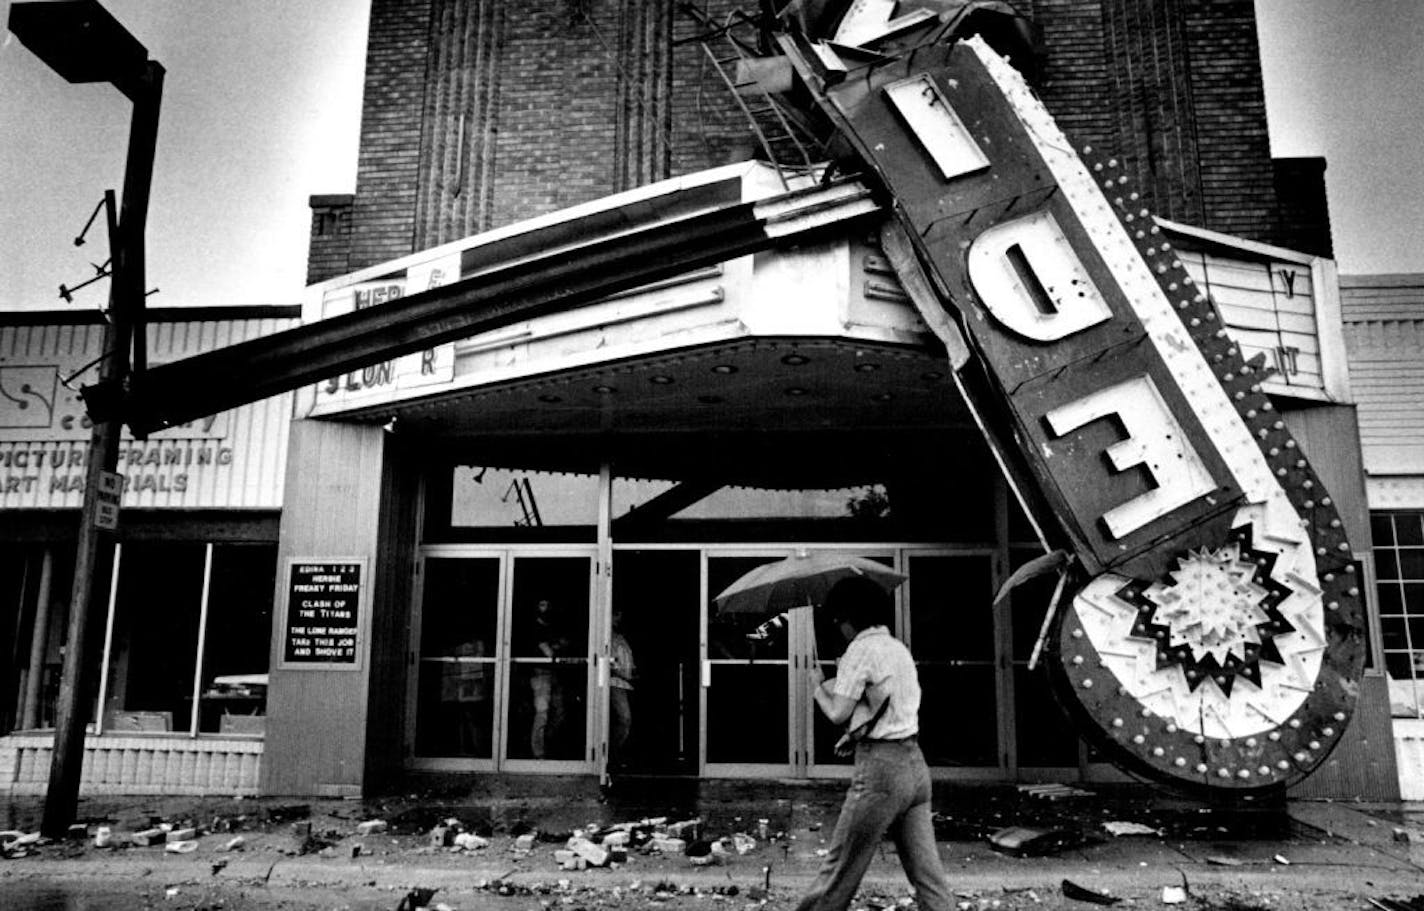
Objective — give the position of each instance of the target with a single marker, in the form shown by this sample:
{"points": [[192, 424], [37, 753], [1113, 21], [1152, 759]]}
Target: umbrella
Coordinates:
{"points": [[801, 580]]}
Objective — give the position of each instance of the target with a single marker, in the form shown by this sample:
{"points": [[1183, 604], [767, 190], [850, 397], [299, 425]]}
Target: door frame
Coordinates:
{"points": [[1003, 767]]}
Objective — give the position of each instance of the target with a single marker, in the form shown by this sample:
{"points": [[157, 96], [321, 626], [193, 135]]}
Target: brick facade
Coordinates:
{"points": [[388, 161], [329, 249], [479, 113]]}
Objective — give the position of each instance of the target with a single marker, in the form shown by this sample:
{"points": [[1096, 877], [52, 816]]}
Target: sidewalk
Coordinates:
{"points": [[1312, 848]]}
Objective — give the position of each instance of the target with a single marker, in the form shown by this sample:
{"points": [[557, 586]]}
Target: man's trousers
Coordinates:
{"points": [[889, 795]]}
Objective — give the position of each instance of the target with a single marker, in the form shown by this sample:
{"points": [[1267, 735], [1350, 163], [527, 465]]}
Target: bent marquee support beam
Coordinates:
{"points": [[1215, 636], [518, 277]]}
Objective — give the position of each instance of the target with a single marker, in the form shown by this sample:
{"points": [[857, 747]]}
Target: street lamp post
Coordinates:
{"points": [[82, 42]]}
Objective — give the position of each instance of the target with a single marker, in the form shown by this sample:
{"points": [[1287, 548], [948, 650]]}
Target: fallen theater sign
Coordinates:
{"points": [[1214, 631]]}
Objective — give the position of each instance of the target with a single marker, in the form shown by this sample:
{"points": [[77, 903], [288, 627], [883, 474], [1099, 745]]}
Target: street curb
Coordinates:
{"points": [[1120, 875]]}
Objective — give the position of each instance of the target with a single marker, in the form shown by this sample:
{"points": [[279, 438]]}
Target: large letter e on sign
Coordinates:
{"points": [[1153, 440]]}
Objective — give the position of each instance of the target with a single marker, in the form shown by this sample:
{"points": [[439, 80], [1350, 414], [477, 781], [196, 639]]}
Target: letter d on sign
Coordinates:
{"points": [[1027, 274], [1154, 439]]}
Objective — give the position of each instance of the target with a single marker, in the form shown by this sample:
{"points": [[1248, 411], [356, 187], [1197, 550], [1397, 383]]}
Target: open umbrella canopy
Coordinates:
{"points": [[801, 580]]}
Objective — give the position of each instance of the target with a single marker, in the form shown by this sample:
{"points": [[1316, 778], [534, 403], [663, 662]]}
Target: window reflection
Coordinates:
{"points": [[869, 501], [498, 497]]}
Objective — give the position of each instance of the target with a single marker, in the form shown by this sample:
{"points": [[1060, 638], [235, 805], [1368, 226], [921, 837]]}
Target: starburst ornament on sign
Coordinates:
{"points": [[1217, 617]]}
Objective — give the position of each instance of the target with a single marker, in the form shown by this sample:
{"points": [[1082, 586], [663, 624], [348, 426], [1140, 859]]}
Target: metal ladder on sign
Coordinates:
{"points": [[788, 147]]}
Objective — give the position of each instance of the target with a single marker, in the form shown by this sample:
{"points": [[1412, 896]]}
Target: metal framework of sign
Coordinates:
{"points": [[1216, 633]]}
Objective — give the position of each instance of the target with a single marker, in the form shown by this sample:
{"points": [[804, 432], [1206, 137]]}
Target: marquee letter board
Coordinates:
{"points": [[323, 618]]}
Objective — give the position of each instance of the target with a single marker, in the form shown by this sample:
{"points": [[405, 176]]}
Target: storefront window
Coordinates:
{"points": [[1399, 568], [153, 633], [236, 648], [155, 667]]}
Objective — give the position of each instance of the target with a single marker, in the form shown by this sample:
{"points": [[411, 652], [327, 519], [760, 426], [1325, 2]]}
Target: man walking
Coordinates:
{"points": [[877, 690]]}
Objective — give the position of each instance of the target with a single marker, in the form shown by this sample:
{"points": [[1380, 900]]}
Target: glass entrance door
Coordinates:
{"points": [[657, 613], [749, 700], [958, 648], [503, 669], [549, 712], [460, 652]]}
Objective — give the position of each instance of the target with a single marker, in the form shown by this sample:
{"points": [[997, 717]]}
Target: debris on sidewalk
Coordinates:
{"points": [[662, 844], [416, 900], [703, 853], [148, 837], [371, 827], [1084, 894], [592, 854], [469, 841], [16, 844], [1053, 791], [1023, 841], [1398, 904], [687, 829], [1173, 895], [287, 812], [1119, 827]]}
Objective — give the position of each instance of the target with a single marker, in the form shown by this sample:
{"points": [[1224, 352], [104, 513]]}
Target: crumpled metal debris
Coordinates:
{"points": [[1084, 894]]}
